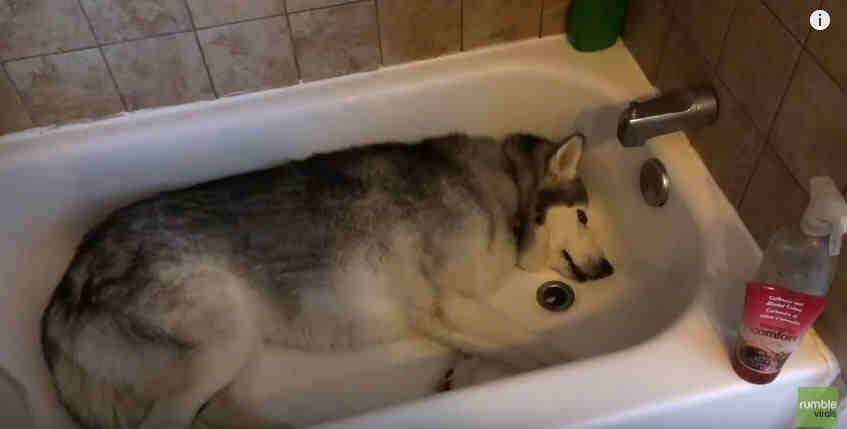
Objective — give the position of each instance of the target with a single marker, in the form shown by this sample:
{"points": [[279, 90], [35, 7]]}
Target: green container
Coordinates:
{"points": [[596, 24]]}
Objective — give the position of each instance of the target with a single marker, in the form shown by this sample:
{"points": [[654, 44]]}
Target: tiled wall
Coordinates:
{"points": [[783, 97], [65, 60]]}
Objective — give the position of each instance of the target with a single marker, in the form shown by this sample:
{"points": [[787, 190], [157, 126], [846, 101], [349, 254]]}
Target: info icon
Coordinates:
{"points": [[819, 19]]}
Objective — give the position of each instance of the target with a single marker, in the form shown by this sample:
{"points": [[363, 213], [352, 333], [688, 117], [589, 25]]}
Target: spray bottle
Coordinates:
{"points": [[789, 291]]}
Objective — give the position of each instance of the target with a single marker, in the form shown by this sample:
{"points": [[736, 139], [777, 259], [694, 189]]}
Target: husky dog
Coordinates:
{"points": [[169, 299]]}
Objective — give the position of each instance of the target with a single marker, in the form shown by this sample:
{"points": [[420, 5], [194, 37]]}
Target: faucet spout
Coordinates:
{"points": [[668, 113]]}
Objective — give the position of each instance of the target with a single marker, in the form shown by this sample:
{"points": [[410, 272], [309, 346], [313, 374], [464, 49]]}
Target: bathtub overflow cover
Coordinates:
{"points": [[555, 296], [655, 182]]}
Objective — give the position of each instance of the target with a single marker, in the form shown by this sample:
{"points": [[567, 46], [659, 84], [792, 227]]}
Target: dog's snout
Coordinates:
{"points": [[604, 269]]}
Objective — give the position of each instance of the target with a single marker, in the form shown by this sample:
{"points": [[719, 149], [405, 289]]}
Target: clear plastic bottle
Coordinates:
{"points": [[789, 291], [798, 262]]}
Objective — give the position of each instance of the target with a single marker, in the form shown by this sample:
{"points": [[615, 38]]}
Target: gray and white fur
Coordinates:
{"points": [[169, 299]]}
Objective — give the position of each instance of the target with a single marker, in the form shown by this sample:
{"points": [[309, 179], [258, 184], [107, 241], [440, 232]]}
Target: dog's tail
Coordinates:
{"points": [[97, 367]]}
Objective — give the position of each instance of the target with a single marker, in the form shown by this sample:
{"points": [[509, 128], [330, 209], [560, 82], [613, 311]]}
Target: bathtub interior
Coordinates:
{"points": [[58, 184]]}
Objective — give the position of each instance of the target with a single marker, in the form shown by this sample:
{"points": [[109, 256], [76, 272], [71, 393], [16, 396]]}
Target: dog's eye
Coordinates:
{"points": [[539, 218], [583, 219]]}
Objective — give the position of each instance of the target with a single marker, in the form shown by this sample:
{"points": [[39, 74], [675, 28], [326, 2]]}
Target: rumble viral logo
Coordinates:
{"points": [[817, 407]]}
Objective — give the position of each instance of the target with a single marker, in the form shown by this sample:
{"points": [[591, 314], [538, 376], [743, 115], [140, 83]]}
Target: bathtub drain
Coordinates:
{"points": [[555, 296]]}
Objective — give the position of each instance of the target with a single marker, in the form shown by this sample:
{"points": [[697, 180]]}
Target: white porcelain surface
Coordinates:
{"points": [[646, 348]]}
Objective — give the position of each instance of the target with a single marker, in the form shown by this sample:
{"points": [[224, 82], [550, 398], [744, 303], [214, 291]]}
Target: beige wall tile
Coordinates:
{"points": [[682, 65], [215, 12], [829, 45], [34, 27], [65, 87], [757, 61], [414, 30], [250, 55], [494, 21], [554, 17], [13, 116], [336, 41], [298, 5], [774, 199], [161, 71], [794, 14], [810, 133], [646, 32], [116, 20], [707, 22], [730, 147]]}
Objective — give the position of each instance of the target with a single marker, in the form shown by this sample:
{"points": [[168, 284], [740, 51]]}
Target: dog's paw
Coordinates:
{"points": [[446, 382], [469, 370]]}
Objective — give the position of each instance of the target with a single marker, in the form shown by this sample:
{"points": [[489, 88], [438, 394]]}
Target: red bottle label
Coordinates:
{"points": [[775, 320]]}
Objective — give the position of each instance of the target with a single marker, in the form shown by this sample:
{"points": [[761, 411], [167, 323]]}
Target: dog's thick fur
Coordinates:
{"points": [[168, 300]]}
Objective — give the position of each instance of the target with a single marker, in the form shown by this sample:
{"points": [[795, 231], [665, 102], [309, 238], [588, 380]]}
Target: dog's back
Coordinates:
{"points": [[170, 297]]}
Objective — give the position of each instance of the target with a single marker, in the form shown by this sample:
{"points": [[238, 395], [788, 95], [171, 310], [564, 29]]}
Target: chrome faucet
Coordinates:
{"points": [[667, 113]]}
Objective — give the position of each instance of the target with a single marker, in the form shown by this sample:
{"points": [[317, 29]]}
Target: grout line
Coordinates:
{"points": [[114, 80], [541, 18], [293, 44], [825, 69], [756, 164], [100, 45], [788, 169], [693, 48], [18, 94], [461, 25], [738, 104], [47, 54], [743, 108], [241, 21], [138, 39], [758, 135], [111, 74], [11, 82], [88, 21], [327, 7], [722, 51], [779, 108], [784, 95], [379, 34], [200, 48], [755, 168], [785, 26], [662, 50]]}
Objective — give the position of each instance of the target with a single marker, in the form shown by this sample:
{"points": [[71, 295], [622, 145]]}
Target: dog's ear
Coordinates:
{"points": [[564, 165]]}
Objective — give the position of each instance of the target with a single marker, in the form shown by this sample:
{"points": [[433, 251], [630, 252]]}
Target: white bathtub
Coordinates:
{"points": [[646, 348]]}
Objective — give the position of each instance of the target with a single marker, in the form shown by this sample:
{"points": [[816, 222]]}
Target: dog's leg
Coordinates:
{"points": [[477, 329], [432, 326], [225, 337], [470, 370], [210, 370]]}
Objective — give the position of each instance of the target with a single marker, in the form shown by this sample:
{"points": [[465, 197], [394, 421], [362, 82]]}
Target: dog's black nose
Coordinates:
{"points": [[604, 269]]}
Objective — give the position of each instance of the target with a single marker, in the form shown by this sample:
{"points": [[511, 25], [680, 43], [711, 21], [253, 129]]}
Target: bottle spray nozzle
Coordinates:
{"points": [[835, 237], [826, 214]]}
